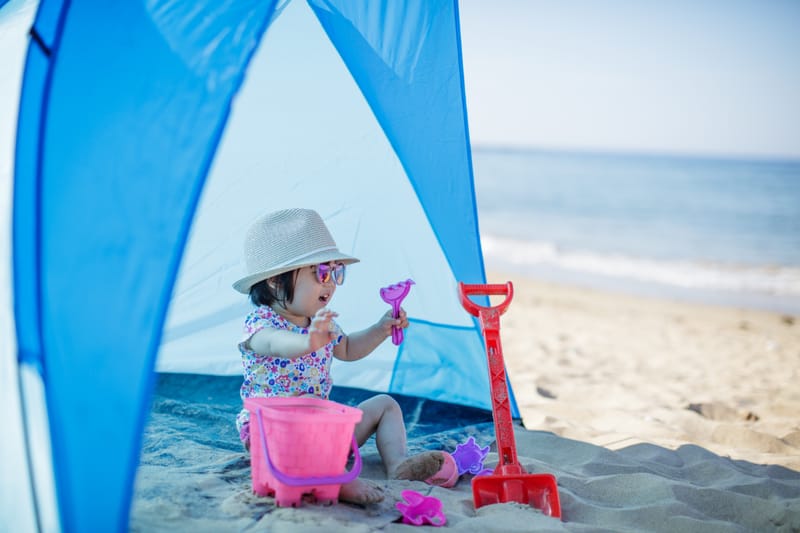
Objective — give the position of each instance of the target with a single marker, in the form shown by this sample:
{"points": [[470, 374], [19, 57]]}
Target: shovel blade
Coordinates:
{"points": [[537, 490]]}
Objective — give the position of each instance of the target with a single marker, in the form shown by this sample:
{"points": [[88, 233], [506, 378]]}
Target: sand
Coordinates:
{"points": [[653, 415], [616, 370]]}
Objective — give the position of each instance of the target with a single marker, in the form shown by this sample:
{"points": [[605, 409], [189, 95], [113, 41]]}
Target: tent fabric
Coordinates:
{"points": [[19, 448], [91, 175], [150, 134], [396, 68]]}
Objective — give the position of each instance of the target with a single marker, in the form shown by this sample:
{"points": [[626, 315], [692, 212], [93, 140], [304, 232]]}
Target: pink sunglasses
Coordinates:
{"points": [[326, 272]]}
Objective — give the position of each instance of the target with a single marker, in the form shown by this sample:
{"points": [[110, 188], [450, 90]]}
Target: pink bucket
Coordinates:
{"points": [[300, 445]]}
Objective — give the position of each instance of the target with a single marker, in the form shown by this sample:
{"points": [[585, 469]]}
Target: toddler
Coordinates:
{"points": [[291, 337]]}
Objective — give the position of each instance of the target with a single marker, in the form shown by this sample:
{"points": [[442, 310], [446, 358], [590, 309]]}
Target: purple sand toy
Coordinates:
{"points": [[469, 458], [418, 510], [394, 295]]}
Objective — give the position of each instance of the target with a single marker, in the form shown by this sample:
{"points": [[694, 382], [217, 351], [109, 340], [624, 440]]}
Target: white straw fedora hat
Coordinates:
{"points": [[285, 240]]}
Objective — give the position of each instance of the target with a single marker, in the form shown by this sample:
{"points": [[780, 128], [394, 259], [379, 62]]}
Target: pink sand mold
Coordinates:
{"points": [[300, 447], [394, 295], [447, 476], [418, 510], [469, 457]]}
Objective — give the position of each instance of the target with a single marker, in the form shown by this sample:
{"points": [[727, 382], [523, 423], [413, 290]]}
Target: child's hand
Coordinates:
{"points": [[387, 321], [319, 332]]}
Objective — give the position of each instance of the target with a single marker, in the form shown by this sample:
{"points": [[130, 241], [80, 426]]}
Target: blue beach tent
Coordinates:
{"points": [[139, 140]]}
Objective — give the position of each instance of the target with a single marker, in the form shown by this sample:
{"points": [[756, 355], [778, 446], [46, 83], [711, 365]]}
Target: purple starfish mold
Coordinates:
{"points": [[469, 458]]}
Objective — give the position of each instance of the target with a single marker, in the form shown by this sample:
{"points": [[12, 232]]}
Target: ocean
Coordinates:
{"points": [[720, 231]]}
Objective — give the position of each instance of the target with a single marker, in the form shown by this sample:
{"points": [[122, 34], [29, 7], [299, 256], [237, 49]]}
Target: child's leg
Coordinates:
{"points": [[384, 418]]}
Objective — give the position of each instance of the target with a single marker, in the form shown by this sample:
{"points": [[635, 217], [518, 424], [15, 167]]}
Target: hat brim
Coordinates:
{"points": [[244, 284]]}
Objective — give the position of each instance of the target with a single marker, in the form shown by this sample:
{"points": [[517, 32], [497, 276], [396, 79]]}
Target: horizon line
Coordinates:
{"points": [[676, 154]]}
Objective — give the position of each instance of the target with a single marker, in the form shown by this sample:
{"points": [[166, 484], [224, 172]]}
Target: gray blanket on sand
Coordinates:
{"points": [[194, 476]]}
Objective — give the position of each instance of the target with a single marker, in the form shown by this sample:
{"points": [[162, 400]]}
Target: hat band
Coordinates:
{"points": [[299, 258]]}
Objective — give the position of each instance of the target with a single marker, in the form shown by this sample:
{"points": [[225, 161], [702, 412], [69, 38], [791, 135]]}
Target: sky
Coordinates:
{"points": [[698, 77], [704, 77]]}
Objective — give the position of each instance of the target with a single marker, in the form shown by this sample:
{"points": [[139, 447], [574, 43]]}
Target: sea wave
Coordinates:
{"points": [[773, 280]]}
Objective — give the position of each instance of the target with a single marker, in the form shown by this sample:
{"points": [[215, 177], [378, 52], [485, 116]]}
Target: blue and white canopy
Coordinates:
{"points": [[138, 141]]}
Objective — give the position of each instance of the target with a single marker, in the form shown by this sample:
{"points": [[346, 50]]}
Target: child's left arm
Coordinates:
{"points": [[361, 343]]}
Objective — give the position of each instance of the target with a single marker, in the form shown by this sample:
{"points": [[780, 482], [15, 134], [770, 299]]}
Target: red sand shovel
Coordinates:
{"points": [[509, 482]]}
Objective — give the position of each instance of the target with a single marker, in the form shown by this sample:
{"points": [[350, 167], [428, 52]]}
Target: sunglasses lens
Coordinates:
{"points": [[338, 273], [323, 273]]}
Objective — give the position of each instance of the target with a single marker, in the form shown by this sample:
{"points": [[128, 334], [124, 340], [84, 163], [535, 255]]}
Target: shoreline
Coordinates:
{"points": [[761, 301], [616, 369]]}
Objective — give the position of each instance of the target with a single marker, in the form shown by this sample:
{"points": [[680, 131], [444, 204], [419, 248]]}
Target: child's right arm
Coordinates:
{"points": [[288, 344]]}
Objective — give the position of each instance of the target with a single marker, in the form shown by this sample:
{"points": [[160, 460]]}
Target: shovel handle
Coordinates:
{"points": [[492, 289], [489, 318]]}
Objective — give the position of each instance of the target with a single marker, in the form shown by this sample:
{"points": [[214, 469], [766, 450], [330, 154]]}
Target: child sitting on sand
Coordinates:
{"points": [[291, 337]]}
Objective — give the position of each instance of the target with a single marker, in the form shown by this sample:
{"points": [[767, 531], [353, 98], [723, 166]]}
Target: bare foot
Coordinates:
{"points": [[419, 467], [360, 492]]}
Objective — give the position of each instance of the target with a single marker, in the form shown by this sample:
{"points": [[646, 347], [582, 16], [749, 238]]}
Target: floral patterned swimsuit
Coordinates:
{"points": [[267, 376]]}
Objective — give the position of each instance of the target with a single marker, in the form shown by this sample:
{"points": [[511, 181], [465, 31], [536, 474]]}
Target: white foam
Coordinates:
{"points": [[773, 280]]}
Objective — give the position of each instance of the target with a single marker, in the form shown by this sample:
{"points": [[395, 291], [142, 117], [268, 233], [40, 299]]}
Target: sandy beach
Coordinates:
{"points": [[615, 370], [653, 415]]}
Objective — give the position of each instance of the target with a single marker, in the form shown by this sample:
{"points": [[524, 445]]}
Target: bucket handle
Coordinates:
{"points": [[298, 481]]}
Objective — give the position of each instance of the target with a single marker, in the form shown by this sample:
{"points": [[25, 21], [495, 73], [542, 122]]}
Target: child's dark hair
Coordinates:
{"points": [[262, 294]]}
